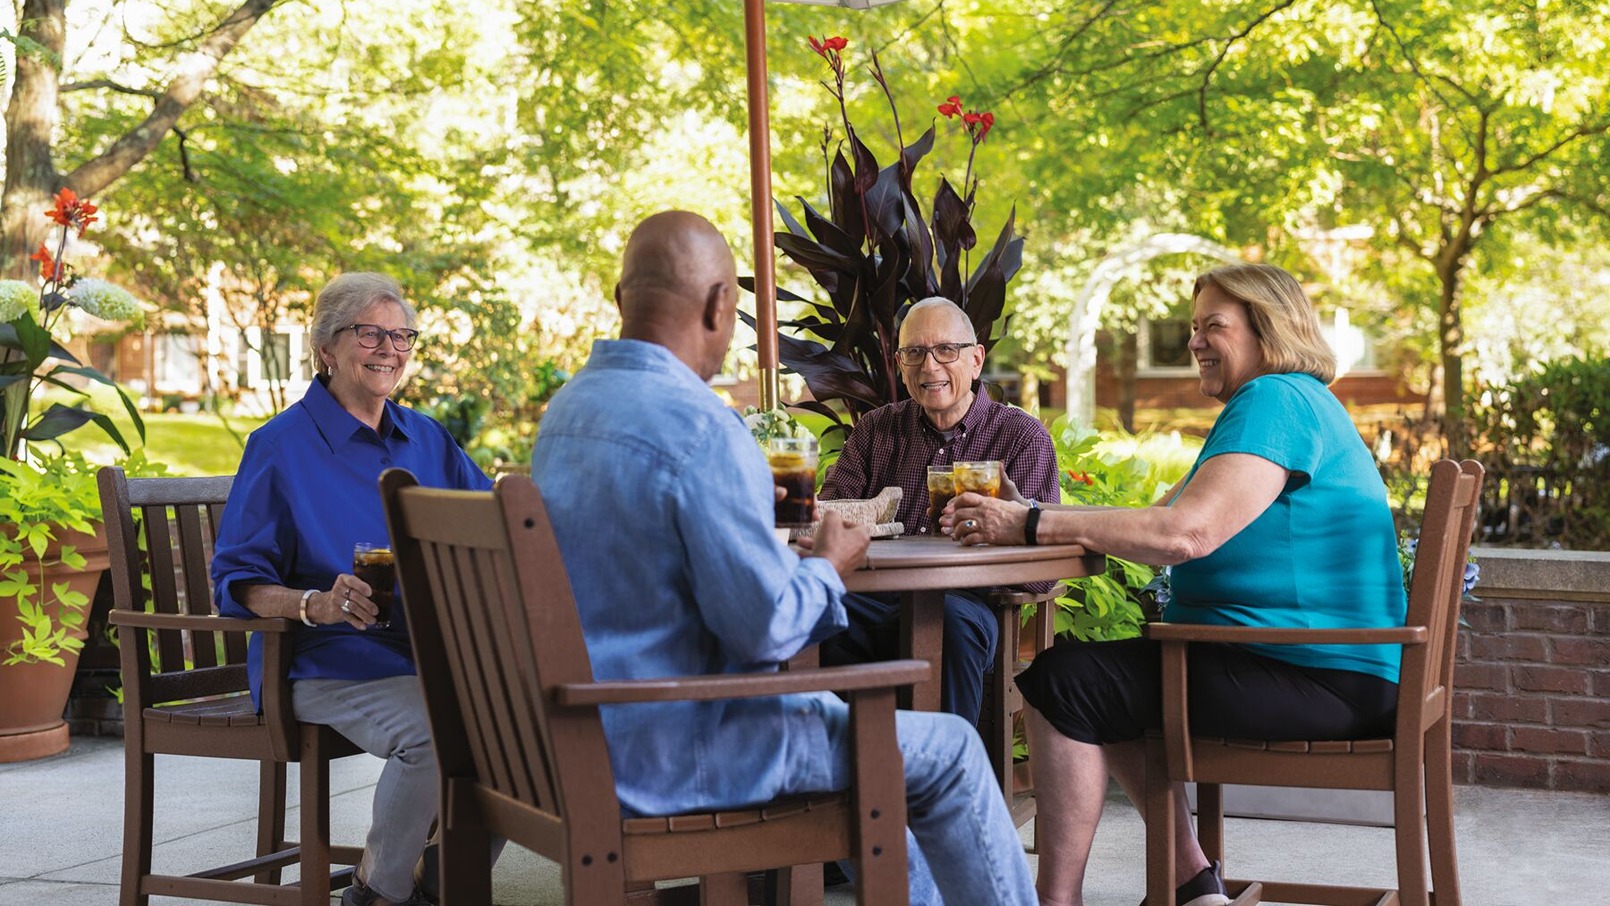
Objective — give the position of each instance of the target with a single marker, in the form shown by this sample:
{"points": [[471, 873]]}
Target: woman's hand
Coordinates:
{"points": [[976, 519], [348, 602]]}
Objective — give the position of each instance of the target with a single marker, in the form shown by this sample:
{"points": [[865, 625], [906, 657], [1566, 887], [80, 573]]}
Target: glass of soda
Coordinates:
{"points": [[793, 468], [941, 488], [980, 477], [376, 565]]}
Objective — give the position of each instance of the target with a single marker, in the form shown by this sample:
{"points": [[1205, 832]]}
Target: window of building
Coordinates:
{"points": [[277, 358]]}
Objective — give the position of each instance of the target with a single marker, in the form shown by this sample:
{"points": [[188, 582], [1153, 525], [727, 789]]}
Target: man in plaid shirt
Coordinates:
{"points": [[947, 419]]}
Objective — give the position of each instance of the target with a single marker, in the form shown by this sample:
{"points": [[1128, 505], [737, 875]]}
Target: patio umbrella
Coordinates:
{"points": [[760, 186]]}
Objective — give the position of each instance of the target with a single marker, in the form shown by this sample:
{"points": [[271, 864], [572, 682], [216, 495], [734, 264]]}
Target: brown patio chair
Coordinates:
{"points": [[185, 693], [997, 718], [514, 713], [1414, 763]]}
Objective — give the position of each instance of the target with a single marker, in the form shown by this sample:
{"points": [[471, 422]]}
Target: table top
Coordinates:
{"points": [[925, 562]]}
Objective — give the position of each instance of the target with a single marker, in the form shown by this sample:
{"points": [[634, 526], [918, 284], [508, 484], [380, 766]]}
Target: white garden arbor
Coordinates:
{"points": [[1092, 298]]}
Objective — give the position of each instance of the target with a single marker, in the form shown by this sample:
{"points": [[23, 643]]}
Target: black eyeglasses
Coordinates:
{"points": [[370, 335], [944, 353]]}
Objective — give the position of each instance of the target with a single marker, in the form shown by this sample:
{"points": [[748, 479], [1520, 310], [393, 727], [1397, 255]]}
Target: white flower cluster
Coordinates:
{"points": [[17, 297], [104, 300]]}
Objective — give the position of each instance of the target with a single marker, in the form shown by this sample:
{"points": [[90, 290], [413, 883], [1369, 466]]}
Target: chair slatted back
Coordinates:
{"points": [[489, 605], [176, 519], [1437, 585]]}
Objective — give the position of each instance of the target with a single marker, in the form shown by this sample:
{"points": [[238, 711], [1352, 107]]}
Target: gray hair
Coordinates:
{"points": [[343, 300], [957, 314]]}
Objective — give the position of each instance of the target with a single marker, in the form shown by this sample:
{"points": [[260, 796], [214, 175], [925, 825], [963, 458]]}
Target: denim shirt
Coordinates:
{"points": [[306, 491], [663, 508]]}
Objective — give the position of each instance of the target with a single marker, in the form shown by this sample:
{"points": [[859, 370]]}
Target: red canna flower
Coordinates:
{"points": [[825, 45], [47, 264], [1082, 477], [952, 107], [70, 210], [986, 122]]}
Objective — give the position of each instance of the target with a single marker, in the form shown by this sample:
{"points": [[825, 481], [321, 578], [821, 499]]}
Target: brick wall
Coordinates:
{"points": [[1532, 675]]}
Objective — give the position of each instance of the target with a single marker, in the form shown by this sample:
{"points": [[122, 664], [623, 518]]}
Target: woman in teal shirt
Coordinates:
{"points": [[1283, 521]]}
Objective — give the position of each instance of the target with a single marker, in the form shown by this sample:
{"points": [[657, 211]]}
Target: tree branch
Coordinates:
{"points": [[1582, 132], [1207, 74], [110, 85], [195, 68]]}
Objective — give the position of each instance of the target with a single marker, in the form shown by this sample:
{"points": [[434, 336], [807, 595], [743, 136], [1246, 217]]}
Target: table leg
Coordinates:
{"points": [[922, 624]]}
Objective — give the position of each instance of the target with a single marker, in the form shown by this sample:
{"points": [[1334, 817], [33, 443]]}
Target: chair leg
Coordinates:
{"points": [[726, 889], [1210, 819], [798, 885], [465, 850], [270, 815], [315, 842], [1439, 818], [138, 815], [1408, 802], [1159, 812]]}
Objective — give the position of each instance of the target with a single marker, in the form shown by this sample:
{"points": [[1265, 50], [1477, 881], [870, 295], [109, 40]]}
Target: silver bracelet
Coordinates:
{"points": [[302, 607]]}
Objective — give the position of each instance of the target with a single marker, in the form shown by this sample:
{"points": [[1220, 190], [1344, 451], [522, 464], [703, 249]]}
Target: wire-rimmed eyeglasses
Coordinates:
{"points": [[944, 353], [370, 335]]}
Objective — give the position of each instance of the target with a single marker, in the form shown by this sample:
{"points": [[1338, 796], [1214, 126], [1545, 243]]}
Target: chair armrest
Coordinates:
{"points": [[881, 675], [197, 622], [1262, 635]]}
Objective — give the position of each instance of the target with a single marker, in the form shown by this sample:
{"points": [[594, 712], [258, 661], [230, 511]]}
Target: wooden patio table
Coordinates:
{"points": [[923, 567]]}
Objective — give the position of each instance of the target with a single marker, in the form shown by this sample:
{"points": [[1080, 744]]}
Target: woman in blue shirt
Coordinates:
{"points": [[1283, 521], [307, 492]]}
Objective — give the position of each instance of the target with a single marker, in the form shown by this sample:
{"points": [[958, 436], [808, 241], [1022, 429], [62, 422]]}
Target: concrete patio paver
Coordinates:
{"points": [[61, 823]]}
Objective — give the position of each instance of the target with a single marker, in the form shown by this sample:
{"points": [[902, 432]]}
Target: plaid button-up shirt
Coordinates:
{"points": [[896, 444]]}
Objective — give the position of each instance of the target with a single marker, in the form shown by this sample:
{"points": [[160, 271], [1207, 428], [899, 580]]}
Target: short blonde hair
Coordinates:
{"points": [[343, 299], [1282, 318]]}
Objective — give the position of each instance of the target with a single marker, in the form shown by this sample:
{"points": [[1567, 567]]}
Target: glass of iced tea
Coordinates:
{"points": [[981, 477], [941, 488], [376, 565], [793, 468]]}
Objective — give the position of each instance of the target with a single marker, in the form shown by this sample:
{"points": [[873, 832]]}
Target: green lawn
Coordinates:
{"points": [[198, 444]]}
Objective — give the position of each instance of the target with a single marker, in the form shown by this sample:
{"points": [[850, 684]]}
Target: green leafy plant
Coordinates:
{"points": [[39, 504], [875, 253], [1111, 605], [42, 502], [28, 318]]}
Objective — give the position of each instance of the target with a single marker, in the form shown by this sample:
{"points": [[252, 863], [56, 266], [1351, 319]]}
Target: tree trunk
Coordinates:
{"points": [[1450, 346], [31, 120], [35, 112]]}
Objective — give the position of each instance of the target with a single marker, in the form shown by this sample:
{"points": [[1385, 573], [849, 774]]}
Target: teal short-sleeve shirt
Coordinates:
{"points": [[1324, 554]]}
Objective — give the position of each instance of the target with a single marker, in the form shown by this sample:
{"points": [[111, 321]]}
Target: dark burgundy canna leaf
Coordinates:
{"points": [[828, 233], [846, 201]]}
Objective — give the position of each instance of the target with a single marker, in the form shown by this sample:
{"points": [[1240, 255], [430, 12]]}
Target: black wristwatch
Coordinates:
{"points": [[1031, 524]]}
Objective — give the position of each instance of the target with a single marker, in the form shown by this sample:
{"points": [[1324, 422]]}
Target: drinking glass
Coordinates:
{"points": [[375, 564], [979, 477], [941, 488], [793, 468]]}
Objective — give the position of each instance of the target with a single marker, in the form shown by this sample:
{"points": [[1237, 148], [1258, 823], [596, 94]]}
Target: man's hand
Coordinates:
{"points": [[843, 545], [1010, 492]]}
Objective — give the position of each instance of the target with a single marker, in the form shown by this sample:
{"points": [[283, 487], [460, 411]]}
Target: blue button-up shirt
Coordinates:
{"points": [[663, 507], [307, 490]]}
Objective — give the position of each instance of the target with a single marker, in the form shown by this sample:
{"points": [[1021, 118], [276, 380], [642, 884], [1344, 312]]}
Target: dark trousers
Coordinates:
{"points": [[970, 637]]}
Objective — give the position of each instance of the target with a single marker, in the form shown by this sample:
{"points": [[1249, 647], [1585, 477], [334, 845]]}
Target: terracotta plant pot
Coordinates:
{"points": [[33, 696]]}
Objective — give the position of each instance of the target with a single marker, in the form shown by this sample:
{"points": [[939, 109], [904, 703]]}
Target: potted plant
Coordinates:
{"points": [[874, 253], [52, 542]]}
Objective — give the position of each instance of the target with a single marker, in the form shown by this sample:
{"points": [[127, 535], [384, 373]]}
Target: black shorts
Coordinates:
{"points": [[1109, 692]]}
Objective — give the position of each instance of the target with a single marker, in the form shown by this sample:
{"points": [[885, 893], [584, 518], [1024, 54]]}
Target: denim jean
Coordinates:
{"points": [[386, 718], [960, 839], [969, 640]]}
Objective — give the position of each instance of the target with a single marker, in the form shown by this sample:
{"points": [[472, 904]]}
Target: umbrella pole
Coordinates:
{"points": [[760, 201]]}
